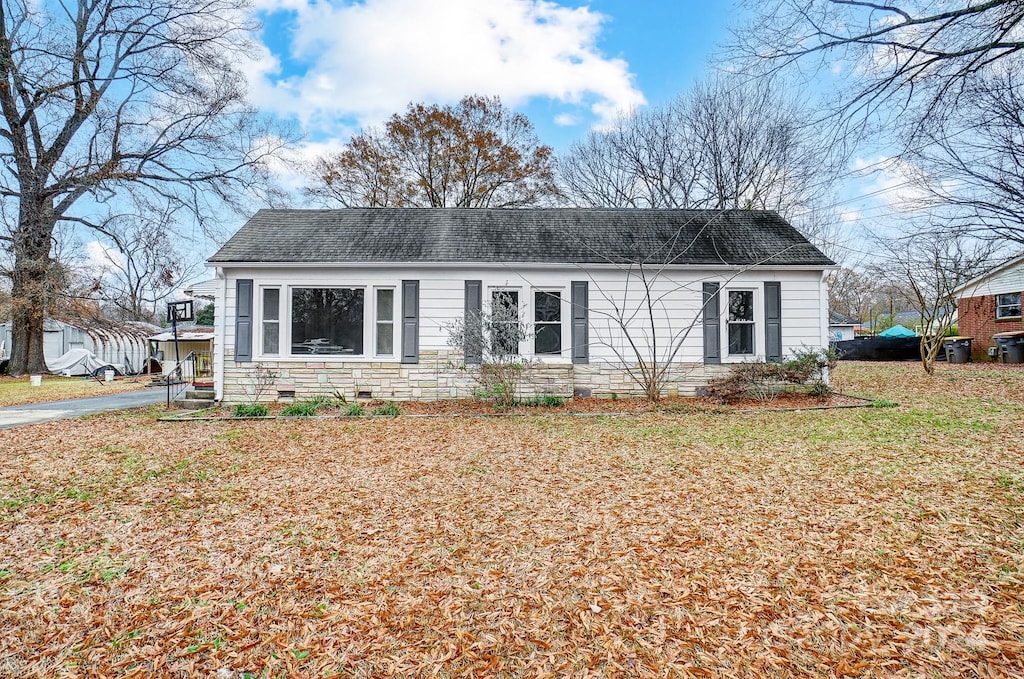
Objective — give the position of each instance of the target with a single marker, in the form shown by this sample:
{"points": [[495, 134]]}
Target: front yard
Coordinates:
{"points": [[863, 542], [19, 390]]}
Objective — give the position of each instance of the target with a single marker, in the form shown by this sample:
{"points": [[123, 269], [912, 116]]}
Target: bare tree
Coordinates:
{"points": [[928, 265], [475, 154], [141, 269], [972, 160], [726, 144], [646, 160], [103, 101], [851, 292], [915, 54], [492, 338]]}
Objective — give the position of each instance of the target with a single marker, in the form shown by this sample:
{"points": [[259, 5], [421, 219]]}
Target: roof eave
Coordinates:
{"points": [[999, 268], [508, 265]]}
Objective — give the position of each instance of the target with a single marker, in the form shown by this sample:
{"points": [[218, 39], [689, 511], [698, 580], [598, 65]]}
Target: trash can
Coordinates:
{"points": [[1011, 346], [958, 349]]}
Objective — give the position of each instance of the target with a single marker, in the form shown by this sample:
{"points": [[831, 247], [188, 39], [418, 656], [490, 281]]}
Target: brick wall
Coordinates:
{"points": [[438, 376], [978, 320]]}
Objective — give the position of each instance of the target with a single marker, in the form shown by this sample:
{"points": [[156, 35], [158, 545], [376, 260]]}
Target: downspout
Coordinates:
{"points": [[823, 320], [219, 332]]}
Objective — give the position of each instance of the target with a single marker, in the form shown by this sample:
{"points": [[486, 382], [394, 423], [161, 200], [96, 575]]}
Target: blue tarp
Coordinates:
{"points": [[898, 331]]}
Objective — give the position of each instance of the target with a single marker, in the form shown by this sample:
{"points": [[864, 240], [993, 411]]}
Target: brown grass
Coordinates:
{"points": [[868, 542], [18, 390]]}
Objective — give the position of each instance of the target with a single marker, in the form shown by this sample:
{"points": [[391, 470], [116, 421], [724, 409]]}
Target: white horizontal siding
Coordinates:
{"points": [[1008, 280], [615, 295]]}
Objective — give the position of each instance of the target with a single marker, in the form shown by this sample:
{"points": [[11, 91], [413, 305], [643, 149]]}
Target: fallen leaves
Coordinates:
{"points": [[868, 542], [19, 391]]}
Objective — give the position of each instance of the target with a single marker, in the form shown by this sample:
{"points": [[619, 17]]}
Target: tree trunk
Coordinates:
{"points": [[30, 292]]}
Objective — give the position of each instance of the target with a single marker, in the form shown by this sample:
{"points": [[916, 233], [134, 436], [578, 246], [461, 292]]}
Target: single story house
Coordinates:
{"points": [[359, 302], [841, 327], [991, 303]]}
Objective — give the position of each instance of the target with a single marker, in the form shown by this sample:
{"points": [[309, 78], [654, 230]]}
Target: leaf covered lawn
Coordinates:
{"points": [[19, 390], [867, 542]]}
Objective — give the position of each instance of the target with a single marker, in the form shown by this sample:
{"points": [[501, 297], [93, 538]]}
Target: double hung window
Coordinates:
{"points": [[741, 322], [385, 321], [271, 321], [1008, 305], [505, 326], [547, 322]]}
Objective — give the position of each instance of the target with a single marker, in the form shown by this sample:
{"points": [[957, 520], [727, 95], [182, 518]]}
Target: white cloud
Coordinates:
{"points": [[100, 259], [894, 182], [566, 120], [363, 61], [290, 170], [850, 216]]}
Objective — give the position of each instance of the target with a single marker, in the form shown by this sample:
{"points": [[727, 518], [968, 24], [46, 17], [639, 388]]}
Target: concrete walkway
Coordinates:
{"points": [[34, 413]]}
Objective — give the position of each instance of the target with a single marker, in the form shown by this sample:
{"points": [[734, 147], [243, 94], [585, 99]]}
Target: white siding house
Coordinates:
{"points": [[695, 289]]}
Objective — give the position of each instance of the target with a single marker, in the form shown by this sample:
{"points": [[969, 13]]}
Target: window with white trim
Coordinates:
{"points": [[271, 321], [740, 323], [547, 322], [505, 325], [327, 321], [384, 326], [1008, 305]]}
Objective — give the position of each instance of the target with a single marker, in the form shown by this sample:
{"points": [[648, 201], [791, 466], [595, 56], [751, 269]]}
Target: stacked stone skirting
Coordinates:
{"points": [[440, 375]]}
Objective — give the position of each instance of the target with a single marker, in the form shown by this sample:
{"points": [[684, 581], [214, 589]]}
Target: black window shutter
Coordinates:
{"points": [[243, 320], [580, 338], [712, 321], [410, 321], [773, 321], [474, 307]]}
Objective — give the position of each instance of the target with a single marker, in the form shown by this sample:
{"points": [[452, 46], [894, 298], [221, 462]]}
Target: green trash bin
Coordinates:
{"points": [[958, 349]]}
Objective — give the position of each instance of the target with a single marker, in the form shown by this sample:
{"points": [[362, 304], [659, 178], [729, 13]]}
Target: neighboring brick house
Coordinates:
{"points": [[991, 303]]}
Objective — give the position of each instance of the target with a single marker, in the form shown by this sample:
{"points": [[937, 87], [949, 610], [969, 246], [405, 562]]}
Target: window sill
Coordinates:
{"points": [[327, 358], [743, 358]]}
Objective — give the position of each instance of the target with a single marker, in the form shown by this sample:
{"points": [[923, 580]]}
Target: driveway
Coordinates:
{"points": [[34, 413]]}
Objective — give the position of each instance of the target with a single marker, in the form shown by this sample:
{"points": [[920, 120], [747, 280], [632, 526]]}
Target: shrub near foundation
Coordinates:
{"points": [[764, 381]]}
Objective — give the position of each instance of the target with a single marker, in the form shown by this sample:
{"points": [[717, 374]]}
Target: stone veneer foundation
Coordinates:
{"points": [[438, 376]]}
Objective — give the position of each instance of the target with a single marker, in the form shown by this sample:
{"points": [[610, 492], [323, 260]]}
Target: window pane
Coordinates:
{"points": [[271, 304], [547, 316], [1008, 306], [327, 321], [505, 300], [505, 328], [547, 307], [741, 338], [271, 337], [741, 305], [385, 338], [549, 339], [385, 305]]}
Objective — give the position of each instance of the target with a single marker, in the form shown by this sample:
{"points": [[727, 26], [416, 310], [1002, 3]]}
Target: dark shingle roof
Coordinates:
{"points": [[836, 318], [576, 236]]}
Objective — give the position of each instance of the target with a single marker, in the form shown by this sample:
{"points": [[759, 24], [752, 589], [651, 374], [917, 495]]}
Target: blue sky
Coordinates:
{"points": [[336, 66]]}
